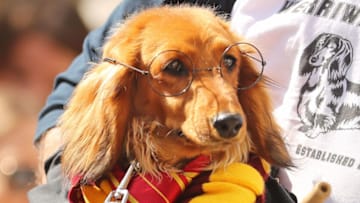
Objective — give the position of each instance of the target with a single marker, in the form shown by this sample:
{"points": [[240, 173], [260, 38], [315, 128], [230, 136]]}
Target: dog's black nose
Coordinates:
{"points": [[227, 124]]}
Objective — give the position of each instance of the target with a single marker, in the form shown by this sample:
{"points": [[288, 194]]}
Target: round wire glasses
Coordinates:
{"points": [[171, 72]]}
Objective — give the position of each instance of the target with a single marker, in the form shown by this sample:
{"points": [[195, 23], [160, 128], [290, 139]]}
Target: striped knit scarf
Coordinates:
{"points": [[174, 187]]}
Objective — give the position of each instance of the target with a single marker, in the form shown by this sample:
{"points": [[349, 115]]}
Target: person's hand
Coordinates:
{"points": [[49, 143], [239, 182]]}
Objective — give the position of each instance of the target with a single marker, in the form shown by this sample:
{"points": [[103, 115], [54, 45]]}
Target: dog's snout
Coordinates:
{"points": [[227, 124]]}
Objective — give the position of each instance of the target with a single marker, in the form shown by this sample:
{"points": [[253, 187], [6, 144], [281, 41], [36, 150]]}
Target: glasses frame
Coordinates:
{"points": [[261, 61], [186, 88], [147, 73]]}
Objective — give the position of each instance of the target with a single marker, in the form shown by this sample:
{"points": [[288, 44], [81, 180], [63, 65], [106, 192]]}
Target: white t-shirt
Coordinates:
{"points": [[312, 50]]}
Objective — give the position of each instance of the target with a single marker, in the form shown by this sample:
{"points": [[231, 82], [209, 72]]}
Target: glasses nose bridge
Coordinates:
{"points": [[207, 73], [207, 66]]}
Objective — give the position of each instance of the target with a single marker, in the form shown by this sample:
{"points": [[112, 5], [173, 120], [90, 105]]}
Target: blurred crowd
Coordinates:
{"points": [[38, 39]]}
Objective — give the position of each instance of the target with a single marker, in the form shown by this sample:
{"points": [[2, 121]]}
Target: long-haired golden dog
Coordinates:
{"points": [[166, 92]]}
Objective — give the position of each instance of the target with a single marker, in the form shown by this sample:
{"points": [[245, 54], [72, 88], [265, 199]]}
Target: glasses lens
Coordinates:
{"points": [[171, 73], [251, 64]]}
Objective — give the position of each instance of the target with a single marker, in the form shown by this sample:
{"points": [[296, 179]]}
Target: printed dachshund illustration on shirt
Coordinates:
{"points": [[328, 100]]}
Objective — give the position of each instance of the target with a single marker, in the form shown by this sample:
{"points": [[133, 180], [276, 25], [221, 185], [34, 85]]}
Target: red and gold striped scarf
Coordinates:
{"points": [[175, 187], [142, 188]]}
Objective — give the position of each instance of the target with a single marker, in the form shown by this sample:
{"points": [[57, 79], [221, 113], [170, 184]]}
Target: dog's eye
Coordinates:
{"points": [[229, 62], [175, 68]]}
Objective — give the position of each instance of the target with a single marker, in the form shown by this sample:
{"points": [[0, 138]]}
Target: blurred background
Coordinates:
{"points": [[38, 39]]}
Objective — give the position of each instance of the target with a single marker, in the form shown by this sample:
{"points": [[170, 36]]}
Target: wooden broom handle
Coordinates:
{"points": [[319, 193]]}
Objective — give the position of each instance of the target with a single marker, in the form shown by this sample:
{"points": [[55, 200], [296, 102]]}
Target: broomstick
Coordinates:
{"points": [[319, 194]]}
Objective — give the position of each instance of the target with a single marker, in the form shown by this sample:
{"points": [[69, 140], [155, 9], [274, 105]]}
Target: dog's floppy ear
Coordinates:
{"points": [[97, 116], [264, 131], [344, 56]]}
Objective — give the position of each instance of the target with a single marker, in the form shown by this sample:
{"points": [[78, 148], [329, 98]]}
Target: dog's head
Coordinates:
{"points": [[165, 93], [327, 51]]}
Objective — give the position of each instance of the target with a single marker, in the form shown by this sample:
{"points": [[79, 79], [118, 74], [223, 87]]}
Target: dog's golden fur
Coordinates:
{"points": [[114, 115]]}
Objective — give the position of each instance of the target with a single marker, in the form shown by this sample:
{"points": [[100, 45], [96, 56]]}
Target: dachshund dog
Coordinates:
{"points": [[167, 91], [325, 64]]}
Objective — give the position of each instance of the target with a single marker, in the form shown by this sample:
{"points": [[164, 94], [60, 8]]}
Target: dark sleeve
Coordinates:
{"points": [[221, 6], [92, 50]]}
